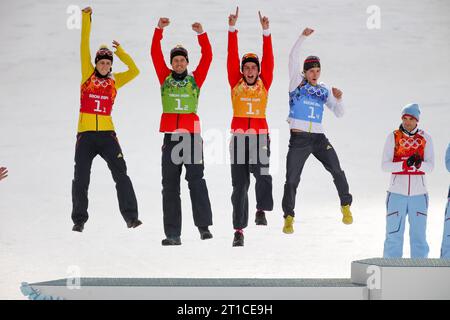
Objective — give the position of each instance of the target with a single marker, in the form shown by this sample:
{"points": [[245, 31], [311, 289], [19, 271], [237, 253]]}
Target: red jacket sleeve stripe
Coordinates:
{"points": [[267, 62], [233, 63], [205, 61], [157, 56]]}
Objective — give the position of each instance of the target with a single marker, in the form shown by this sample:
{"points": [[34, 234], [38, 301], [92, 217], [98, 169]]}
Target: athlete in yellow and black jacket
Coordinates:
{"points": [[96, 133]]}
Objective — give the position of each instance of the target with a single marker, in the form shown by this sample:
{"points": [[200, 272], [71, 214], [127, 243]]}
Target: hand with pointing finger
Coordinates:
{"points": [[232, 18], [264, 21]]}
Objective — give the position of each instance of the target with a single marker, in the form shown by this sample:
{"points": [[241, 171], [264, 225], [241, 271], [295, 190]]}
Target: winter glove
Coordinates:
{"points": [[405, 166], [414, 160], [411, 160], [418, 162]]}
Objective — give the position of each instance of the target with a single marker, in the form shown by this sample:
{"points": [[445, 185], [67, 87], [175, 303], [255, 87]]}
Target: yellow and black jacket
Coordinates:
{"points": [[98, 94]]}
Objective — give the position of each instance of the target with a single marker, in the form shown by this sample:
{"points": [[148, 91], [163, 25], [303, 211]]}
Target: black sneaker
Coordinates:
{"points": [[78, 227], [171, 241], [205, 233], [260, 218], [134, 223], [238, 240]]}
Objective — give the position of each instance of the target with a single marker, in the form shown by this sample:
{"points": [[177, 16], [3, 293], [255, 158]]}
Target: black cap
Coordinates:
{"points": [[178, 51], [250, 57], [311, 62], [104, 53]]}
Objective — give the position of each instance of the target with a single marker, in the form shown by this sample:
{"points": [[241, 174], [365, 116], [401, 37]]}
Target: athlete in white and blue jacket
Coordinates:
{"points": [[307, 101], [445, 249], [409, 155]]}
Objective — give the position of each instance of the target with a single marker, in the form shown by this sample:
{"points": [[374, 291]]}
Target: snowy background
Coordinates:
{"points": [[379, 71]]}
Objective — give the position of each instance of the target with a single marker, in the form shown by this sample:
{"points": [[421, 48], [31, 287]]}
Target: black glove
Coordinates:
{"points": [[411, 160], [418, 162], [414, 160]]}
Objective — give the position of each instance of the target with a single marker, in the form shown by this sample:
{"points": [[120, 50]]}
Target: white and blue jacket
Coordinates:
{"points": [[306, 102]]}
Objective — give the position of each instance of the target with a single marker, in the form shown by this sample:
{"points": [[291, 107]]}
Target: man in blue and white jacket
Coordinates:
{"points": [[409, 155], [307, 99], [445, 249]]}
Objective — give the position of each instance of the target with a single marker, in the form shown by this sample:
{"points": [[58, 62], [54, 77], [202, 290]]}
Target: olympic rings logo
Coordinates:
{"points": [[102, 82], [410, 143], [175, 83], [318, 91]]}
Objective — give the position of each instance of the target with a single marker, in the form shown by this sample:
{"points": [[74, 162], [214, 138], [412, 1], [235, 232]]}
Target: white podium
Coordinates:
{"points": [[374, 278]]}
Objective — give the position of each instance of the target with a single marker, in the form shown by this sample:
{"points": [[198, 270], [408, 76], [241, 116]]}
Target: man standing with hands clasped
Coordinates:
{"points": [[445, 248], [408, 154]]}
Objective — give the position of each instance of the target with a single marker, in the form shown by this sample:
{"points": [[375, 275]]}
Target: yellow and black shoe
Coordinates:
{"points": [[347, 214], [288, 224]]}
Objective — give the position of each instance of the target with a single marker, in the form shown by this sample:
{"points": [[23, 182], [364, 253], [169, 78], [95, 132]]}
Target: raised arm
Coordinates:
{"points": [[85, 52], [295, 65], [156, 52], [124, 77], [233, 67], [205, 61], [267, 60]]}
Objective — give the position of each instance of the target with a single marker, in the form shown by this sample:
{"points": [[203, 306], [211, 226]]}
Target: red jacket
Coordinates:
{"points": [[171, 122], [235, 74]]}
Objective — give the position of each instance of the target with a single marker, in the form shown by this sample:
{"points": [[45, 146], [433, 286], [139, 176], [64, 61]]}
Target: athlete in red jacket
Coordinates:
{"points": [[250, 81], [179, 93], [173, 120]]}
